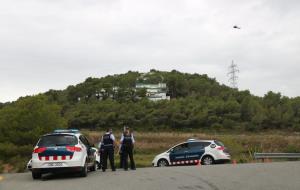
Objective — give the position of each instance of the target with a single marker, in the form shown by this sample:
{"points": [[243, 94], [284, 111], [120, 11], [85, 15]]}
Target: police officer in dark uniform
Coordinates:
{"points": [[127, 142], [108, 142]]}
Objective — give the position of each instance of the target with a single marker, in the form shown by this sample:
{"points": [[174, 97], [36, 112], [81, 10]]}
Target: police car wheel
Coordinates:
{"points": [[162, 163], [207, 160], [84, 170], [94, 167], [36, 175]]}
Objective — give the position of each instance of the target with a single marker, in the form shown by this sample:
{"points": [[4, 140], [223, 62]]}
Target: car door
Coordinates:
{"points": [[195, 151], [90, 152], [178, 154]]}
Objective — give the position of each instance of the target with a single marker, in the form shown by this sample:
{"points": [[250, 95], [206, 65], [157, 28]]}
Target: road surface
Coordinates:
{"points": [[281, 176]]}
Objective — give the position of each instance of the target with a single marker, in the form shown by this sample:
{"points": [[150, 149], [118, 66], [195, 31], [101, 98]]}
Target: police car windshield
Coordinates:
{"points": [[57, 140]]}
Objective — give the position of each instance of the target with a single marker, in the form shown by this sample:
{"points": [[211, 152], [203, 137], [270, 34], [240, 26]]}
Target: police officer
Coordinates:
{"points": [[108, 141], [127, 142]]}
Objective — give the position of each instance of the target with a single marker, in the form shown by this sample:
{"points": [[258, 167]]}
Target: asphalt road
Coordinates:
{"points": [[281, 176]]}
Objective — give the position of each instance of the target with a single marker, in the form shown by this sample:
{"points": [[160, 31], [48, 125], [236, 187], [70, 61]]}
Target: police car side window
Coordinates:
{"points": [[197, 145], [205, 144], [180, 148]]}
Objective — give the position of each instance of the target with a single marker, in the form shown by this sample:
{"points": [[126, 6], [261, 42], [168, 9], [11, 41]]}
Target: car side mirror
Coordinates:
{"points": [[171, 150]]}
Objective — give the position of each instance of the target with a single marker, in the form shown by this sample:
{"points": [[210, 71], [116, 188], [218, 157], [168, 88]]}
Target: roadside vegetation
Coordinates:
{"points": [[199, 106], [21, 124]]}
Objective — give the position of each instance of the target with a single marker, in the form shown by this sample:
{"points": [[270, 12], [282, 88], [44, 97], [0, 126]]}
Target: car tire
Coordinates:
{"points": [[162, 163], [94, 167], [207, 160], [36, 175], [84, 170], [98, 165]]}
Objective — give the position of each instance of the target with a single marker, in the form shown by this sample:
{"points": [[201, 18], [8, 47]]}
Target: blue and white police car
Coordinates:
{"points": [[193, 151], [63, 150]]}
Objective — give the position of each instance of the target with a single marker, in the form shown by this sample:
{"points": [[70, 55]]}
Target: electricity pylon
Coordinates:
{"points": [[232, 73]]}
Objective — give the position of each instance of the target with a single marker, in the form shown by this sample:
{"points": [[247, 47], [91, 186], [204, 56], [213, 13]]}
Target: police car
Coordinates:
{"points": [[63, 150], [193, 151]]}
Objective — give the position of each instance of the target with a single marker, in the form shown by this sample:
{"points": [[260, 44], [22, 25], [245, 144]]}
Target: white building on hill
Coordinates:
{"points": [[154, 92]]}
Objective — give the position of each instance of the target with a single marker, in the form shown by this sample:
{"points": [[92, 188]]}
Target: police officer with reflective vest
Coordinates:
{"points": [[127, 142], [108, 142]]}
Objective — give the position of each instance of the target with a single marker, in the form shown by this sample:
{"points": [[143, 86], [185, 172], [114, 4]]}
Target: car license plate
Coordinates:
{"points": [[53, 164]]}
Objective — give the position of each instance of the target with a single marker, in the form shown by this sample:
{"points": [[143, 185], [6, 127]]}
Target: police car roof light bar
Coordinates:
{"points": [[66, 131]]}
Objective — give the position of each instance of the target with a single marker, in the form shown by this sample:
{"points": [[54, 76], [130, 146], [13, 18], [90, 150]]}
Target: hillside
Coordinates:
{"points": [[197, 102]]}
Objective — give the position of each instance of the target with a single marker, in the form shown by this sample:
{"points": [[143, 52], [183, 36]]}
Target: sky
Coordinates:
{"points": [[51, 44]]}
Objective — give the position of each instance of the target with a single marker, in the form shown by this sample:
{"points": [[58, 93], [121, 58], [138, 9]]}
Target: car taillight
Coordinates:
{"points": [[221, 148], [73, 148], [39, 150]]}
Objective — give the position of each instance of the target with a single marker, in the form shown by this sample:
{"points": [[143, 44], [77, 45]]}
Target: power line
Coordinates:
{"points": [[232, 73]]}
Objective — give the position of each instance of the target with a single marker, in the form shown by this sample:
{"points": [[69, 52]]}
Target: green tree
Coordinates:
{"points": [[25, 120]]}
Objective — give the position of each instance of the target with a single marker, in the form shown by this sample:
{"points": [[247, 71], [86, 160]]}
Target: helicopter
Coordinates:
{"points": [[236, 27]]}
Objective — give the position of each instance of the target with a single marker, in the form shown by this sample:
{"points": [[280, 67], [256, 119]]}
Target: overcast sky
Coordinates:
{"points": [[50, 44]]}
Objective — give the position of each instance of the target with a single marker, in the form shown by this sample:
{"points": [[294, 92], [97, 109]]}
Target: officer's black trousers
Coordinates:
{"points": [[128, 151], [108, 153]]}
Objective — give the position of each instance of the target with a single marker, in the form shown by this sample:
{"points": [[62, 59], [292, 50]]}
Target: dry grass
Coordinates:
{"points": [[241, 146]]}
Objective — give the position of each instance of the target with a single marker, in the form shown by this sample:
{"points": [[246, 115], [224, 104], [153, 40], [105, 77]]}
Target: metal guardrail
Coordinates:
{"points": [[276, 155]]}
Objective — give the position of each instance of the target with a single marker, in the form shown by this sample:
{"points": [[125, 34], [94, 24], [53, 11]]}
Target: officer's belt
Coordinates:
{"points": [[108, 145]]}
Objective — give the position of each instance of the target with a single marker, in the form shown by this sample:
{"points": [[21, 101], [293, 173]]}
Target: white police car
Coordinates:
{"points": [[193, 152], [63, 150]]}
